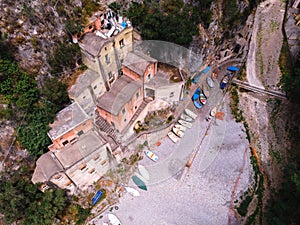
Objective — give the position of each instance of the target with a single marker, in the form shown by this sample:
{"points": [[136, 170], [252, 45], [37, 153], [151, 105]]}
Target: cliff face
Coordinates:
{"points": [[34, 28]]}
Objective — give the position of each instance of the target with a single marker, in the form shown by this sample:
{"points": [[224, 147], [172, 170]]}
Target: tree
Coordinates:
{"points": [[165, 22], [22, 201], [55, 92]]}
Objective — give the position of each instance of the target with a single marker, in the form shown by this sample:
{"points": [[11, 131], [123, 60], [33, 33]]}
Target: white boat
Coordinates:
{"points": [[173, 137], [202, 99], [144, 172], [178, 132], [151, 155], [190, 113], [132, 191], [213, 111], [182, 128], [210, 82], [113, 219], [184, 123], [186, 117]]}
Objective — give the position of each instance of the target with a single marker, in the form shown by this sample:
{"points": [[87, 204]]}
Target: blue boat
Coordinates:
{"points": [[196, 94], [224, 81], [197, 104], [206, 70], [97, 197], [195, 80], [232, 68]]}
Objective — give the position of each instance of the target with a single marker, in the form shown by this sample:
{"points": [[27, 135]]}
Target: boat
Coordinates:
{"points": [[178, 132], [132, 191], [213, 111], [173, 137], [186, 118], [182, 128], [224, 81], [151, 155], [232, 68], [197, 104], [202, 99], [144, 172], [190, 113], [196, 94], [210, 82], [104, 223], [139, 183], [113, 219], [185, 123], [141, 177]]}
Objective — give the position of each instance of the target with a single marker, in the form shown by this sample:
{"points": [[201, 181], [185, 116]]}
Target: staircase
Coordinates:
{"points": [[104, 126]]}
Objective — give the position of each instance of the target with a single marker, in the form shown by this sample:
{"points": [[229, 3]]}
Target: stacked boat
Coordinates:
{"points": [[183, 124]]}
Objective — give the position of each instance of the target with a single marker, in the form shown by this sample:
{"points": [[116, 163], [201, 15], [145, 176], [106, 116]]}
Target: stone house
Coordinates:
{"points": [[105, 43], [69, 124], [76, 166], [121, 102], [87, 88]]}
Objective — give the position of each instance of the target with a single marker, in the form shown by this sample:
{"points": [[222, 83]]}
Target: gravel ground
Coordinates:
{"points": [[204, 195]]}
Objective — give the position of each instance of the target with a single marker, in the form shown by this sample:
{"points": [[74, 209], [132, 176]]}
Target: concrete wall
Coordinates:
{"points": [[170, 93]]}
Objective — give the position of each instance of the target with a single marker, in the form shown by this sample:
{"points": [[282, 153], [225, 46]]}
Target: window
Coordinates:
{"points": [[107, 59], [121, 43], [69, 184], [149, 76], [65, 142], [44, 187], [137, 95], [135, 107], [123, 111], [92, 171], [90, 27], [82, 166], [125, 120], [110, 75], [80, 133], [103, 162], [58, 177], [171, 94], [95, 87], [83, 97], [97, 158]]}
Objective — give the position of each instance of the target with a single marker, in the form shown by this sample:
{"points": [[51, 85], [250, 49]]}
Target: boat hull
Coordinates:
{"points": [[144, 172], [178, 132], [180, 127], [173, 137], [139, 183], [185, 124], [190, 113], [151, 155], [186, 118]]}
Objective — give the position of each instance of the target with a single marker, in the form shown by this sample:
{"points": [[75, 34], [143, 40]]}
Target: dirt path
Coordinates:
{"points": [[262, 68]]}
